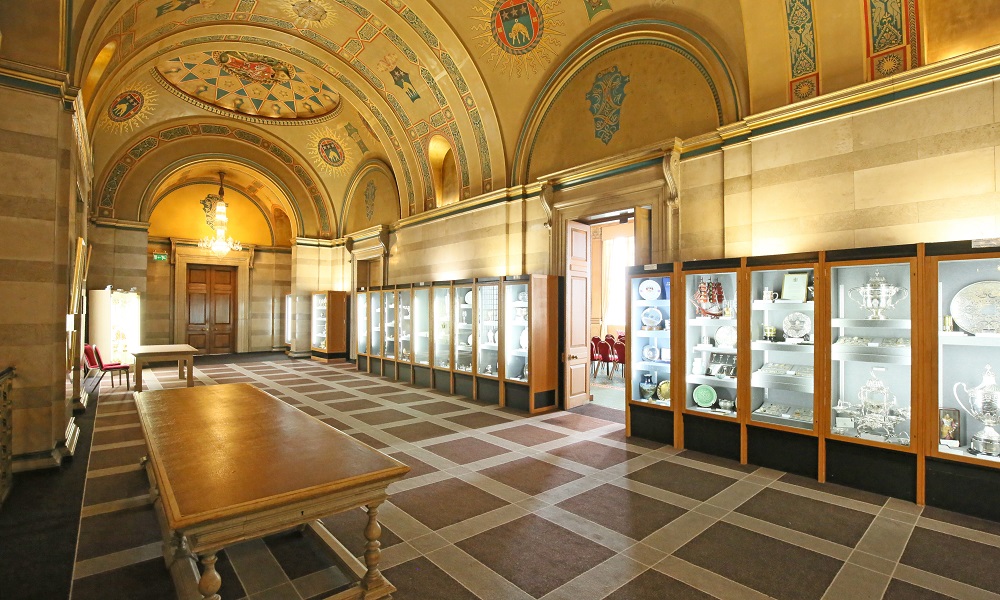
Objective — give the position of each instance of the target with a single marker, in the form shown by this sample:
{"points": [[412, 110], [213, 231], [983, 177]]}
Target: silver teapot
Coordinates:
{"points": [[877, 296], [984, 404]]}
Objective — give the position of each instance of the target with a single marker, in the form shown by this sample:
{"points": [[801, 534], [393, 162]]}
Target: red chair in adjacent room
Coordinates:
{"points": [[607, 356], [609, 338], [595, 357], [93, 353], [620, 356]]}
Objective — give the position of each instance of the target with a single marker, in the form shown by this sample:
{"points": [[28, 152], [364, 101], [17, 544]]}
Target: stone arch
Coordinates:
{"points": [[372, 198], [447, 188]]}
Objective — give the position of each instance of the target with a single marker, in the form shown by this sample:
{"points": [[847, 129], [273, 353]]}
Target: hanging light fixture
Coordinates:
{"points": [[215, 217]]}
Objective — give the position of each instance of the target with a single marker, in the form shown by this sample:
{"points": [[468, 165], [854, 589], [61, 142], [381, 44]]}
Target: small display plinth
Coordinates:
{"points": [[712, 436], [878, 470], [652, 424]]}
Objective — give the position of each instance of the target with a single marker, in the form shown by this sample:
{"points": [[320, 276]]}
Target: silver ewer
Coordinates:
{"points": [[984, 405], [877, 296]]}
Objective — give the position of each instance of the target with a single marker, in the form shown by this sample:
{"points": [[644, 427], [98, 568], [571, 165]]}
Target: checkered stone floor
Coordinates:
{"points": [[559, 506]]}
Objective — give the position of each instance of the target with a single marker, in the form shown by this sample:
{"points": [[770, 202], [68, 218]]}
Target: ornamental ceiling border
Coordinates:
{"points": [[533, 121], [140, 149], [225, 112]]}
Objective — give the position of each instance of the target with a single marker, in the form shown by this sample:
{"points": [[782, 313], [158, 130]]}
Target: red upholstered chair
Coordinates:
{"points": [[607, 356], [610, 339], [620, 356], [112, 368], [595, 357]]}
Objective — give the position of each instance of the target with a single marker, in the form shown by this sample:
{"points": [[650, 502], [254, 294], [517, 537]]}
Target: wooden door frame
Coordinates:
{"points": [[243, 261], [366, 245]]}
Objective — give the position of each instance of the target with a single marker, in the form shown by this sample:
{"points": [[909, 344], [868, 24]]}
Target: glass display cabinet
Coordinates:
{"points": [[328, 339], [375, 344], [649, 387], [871, 352], [710, 343], [782, 333], [442, 355], [488, 328], [390, 333], [529, 324], [289, 321], [421, 317], [361, 299], [404, 333], [463, 327]]}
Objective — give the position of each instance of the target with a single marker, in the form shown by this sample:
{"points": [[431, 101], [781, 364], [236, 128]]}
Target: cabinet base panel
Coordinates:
{"points": [[488, 391], [375, 366], [872, 469], [442, 381], [784, 451], [362, 363], [464, 385], [652, 424], [422, 376], [964, 488], [404, 372], [710, 436]]}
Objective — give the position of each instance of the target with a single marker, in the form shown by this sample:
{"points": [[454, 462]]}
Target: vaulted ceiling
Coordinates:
{"points": [[304, 97]]}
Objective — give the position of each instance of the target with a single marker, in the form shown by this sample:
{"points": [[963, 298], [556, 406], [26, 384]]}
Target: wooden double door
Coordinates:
{"points": [[212, 312]]}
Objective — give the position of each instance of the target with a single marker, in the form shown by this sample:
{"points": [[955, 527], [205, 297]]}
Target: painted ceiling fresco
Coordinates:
{"points": [[250, 83]]}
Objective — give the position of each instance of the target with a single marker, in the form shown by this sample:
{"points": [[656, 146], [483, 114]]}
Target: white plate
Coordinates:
{"points": [[650, 353], [524, 339], [651, 317], [796, 325], [976, 307], [725, 336], [468, 298], [650, 289]]}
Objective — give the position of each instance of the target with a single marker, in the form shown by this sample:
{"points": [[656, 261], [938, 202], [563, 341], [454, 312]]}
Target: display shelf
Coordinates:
{"points": [[649, 335], [441, 355], [363, 322], [782, 421], [783, 305], [487, 334], [715, 412], [894, 356], [783, 347], [871, 323], [725, 382], [709, 348], [990, 341], [791, 383], [658, 404], [651, 363], [707, 321], [389, 344], [328, 336], [463, 334], [375, 316], [404, 316]]}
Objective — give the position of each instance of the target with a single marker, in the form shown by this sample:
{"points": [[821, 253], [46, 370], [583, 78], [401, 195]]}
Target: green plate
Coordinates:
{"points": [[704, 396]]}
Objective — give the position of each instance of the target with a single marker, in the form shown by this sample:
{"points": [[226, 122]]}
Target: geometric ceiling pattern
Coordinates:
{"points": [[251, 84]]}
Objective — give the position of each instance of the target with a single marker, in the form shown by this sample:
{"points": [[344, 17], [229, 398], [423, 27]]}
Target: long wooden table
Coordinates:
{"points": [[228, 463], [182, 353]]}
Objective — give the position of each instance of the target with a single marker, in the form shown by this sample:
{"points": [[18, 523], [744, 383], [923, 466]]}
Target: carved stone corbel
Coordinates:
{"points": [[546, 200], [670, 164], [671, 197]]}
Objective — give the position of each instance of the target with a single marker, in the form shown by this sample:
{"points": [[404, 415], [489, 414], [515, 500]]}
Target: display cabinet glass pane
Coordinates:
{"points": [[871, 352], [319, 321], [782, 321], [442, 327], [421, 326], [362, 323], [463, 328], [968, 357], [405, 327], [488, 329], [389, 322], [289, 319], [650, 338], [516, 333], [710, 353], [375, 298]]}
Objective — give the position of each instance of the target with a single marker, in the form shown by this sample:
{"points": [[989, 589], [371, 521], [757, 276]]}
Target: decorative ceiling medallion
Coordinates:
{"points": [[309, 13], [129, 109], [518, 35], [606, 98], [251, 84], [330, 153]]}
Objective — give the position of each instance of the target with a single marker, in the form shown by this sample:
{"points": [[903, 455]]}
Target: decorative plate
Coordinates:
{"points": [[650, 289], [663, 390], [704, 396], [522, 296], [651, 317], [796, 325], [524, 339], [468, 298], [650, 353], [976, 307], [725, 336]]}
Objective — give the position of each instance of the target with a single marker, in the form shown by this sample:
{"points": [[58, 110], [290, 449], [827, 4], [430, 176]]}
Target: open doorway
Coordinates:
{"points": [[613, 240]]}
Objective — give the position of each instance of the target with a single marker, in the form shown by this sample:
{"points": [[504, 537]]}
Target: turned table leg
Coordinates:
{"points": [[373, 531], [210, 581]]}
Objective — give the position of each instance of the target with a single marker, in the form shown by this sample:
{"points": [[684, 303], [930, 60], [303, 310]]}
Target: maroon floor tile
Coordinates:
{"points": [[530, 475], [418, 431], [338, 424], [437, 408], [349, 528], [374, 443], [445, 503], [119, 486], [466, 450], [627, 512], [653, 585], [351, 405], [417, 466], [594, 454], [420, 579], [680, 479], [577, 422], [381, 417], [116, 531], [527, 435], [116, 436], [478, 419]]}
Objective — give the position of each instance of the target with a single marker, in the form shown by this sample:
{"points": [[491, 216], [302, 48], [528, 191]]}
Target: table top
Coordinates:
{"points": [[162, 349], [221, 451]]}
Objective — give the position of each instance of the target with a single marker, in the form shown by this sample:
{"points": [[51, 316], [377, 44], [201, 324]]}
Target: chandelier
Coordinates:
{"points": [[215, 217]]}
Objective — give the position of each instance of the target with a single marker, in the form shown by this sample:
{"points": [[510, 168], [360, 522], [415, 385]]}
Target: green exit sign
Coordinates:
{"points": [[159, 256]]}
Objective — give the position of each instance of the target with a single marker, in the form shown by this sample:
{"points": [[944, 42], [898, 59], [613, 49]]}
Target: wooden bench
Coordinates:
{"points": [[229, 463]]}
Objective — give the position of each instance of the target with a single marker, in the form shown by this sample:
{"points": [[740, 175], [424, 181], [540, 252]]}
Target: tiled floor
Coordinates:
{"points": [[498, 506]]}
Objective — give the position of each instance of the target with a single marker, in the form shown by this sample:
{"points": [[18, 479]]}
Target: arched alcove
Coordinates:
{"points": [[444, 171], [97, 69]]}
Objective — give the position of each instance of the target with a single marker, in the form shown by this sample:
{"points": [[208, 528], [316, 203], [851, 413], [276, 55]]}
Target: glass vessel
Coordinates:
{"points": [[516, 332], [442, 327], [871, 353], [362, 300], [463, 328], [375, 300], [782, 328], [710, 352], [650, 339], [421, 326], [488, 329]]}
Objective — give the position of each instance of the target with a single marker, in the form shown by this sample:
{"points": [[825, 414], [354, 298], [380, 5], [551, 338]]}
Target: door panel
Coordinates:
{"points": [[212, 308], [577, 350]]}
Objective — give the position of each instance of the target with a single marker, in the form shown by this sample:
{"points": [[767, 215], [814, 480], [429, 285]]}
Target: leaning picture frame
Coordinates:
{"points": [[795, 286]]}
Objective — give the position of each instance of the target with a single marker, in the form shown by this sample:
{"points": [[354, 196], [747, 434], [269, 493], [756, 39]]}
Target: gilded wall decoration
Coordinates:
{"points": [[354, 134], [330, 152], [802, 50], [606, 98], [893, 38], [250, 84], [309, 13], [175, 6], [596, 6], [370, 191], [129, 109], [402, 80], [518, 36]]}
